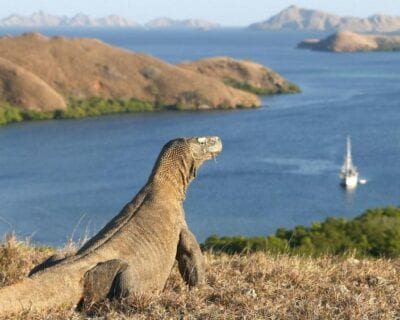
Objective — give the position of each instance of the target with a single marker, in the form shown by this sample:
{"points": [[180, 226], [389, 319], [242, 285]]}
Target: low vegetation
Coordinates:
{"points": [[84, 108], [375, 233], [9, 114], [262, 91], [248, 286], [93, 107]]}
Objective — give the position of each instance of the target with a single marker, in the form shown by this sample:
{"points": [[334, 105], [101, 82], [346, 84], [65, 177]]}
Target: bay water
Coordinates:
{"points": [[279, 167]]}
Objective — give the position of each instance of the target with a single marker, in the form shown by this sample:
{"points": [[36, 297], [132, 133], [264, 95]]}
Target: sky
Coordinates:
{"points": [[225, 12]]}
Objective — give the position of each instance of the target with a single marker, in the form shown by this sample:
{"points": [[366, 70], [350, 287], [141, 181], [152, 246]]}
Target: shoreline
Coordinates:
{"points": [[97, 106]]}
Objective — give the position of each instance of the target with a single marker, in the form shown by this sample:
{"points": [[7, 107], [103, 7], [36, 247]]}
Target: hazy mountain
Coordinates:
{"points": [[36, 19], [41, 19], [167, 23], [299, 19]]}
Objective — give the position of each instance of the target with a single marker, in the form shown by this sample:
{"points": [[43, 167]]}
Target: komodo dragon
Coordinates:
{"points": [[135, 252]]}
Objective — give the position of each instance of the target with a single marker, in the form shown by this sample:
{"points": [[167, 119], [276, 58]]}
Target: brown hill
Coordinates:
{"points": [[20, 87], [83, 68], [346, 41], [241, 74]]}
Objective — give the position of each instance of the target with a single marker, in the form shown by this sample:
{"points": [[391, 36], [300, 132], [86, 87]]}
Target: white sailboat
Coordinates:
{"points": [[349, 173]]}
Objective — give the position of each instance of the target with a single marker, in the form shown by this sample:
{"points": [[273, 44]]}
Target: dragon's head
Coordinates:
{"points": [[180, 159], [205, 148]]}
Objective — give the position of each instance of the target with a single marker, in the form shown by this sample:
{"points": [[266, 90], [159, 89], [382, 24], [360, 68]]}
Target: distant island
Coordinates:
{"points": [[167, 23], [56, 77], [346, 41], [294, 18], [42, 19]]}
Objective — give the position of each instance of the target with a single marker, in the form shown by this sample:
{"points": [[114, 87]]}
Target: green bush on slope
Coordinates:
{"points": [[245, 86], [375, 233], [78, 108], [9, 114]]}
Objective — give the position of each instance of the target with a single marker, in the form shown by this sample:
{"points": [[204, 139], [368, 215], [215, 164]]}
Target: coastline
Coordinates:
{"points": [[97, 106]]}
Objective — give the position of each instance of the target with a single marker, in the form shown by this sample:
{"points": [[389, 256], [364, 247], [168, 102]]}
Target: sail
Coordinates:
{"points": [[348, 167]]}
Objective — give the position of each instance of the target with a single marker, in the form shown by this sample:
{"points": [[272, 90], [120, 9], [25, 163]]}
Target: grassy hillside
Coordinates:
{"points": [[245, 75], [59, 68], [250, 286]]}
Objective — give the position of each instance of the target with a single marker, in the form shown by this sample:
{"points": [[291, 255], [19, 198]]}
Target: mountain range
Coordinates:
{"points": [[42, 19], [294, 18]]}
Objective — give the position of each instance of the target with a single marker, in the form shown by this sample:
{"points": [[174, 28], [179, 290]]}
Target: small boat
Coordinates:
{"points": [[349, 173]]}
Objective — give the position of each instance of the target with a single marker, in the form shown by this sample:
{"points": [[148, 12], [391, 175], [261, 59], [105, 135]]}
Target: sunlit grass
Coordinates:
{"points": [[249, 286]]}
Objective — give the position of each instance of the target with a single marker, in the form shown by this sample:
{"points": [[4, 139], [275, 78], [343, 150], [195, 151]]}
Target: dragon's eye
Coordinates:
{"points": [[201, 140]]}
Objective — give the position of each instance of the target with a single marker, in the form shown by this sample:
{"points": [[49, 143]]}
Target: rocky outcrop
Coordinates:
{"points": [[345, 41], [83, 68], [242, 74], [298, 19]]}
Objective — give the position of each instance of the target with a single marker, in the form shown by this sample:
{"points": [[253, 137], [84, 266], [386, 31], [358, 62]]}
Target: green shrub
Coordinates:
{"points": [[8, 114], [36, 115], [78, 108], [292, 88], [245, 86]]}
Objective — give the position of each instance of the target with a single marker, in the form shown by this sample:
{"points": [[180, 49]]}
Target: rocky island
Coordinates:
{"points": [[294, 18], [346, 41], [58, 77]]}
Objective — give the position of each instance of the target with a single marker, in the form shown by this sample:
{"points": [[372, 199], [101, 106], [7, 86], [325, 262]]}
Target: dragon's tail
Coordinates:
{"points": [[45, 290]]}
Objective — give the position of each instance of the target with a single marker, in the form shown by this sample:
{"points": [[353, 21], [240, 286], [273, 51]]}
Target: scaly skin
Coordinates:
{"points": [[135, 251]]}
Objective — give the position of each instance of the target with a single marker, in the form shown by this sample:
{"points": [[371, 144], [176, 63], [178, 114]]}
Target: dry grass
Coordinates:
{"points": [[256, 286], [17, 258]]}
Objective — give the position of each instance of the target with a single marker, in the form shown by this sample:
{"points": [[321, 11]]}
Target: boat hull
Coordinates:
{"points": [[350, 182]]}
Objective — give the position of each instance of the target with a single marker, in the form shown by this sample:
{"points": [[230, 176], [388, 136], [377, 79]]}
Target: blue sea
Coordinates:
{"points": [[279, 167]]}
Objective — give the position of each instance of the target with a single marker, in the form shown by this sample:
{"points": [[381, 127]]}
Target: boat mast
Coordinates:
{"points": [[349, 162], [349, 174]]}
